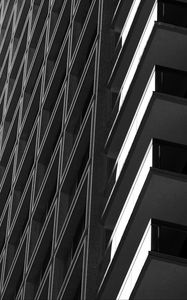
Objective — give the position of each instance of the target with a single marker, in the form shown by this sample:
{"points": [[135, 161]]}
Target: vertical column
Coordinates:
{"points": [[98, 168]]}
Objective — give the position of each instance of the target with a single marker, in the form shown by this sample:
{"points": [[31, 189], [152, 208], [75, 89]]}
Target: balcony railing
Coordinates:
{"points": [[129, 21], [136, 265], [139, 50], [131, 199], [135, 124]]}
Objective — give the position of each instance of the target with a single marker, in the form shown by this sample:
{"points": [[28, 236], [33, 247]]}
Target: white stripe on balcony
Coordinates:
{"points": [[137, 56], [136, 265], [150, 87], [129, 20], [131, 200]]}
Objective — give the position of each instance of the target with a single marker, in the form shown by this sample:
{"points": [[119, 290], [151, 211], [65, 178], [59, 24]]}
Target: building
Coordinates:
{"points": [[93, 149], [145, 213]]}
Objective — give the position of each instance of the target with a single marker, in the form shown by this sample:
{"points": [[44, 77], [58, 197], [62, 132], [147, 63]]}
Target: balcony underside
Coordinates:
{"points": [[163, 197], [166, 119], [167, 47], [162, 277]]}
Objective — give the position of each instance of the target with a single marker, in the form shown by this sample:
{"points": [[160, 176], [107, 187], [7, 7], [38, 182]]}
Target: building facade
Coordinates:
{"points": [[145, 213], [93, 149]]}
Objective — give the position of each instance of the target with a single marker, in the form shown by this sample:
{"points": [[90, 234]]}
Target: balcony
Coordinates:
{"points": [[163, 80], [165, 119], [132, 23], [158, 191], [164, 42], [161, 254]]}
